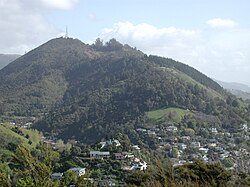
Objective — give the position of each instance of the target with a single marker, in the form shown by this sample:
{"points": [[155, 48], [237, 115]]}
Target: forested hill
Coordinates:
{"points": [[86, 91]]}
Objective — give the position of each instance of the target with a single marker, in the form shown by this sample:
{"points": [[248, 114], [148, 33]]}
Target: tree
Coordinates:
{"points": [[113, 45], [189, 132], [68, 177], [1, 108], [138, 178], [4, 181], [29, 170], [98, 44], [204, 174]]}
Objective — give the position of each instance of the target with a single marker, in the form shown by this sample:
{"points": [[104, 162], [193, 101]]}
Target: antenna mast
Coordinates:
{"points": [[66, 33]]}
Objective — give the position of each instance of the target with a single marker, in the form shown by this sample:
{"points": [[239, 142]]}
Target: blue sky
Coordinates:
{"points": [[89, 17], [213, 36]]}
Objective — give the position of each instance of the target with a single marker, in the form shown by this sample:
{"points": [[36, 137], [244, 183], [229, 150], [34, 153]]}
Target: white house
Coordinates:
{"points": [[56, 176], [214, 130], [203, 150], [195, 144], [110, 142], [136, 147], [172, 128], [139, 166], [78, 171]]}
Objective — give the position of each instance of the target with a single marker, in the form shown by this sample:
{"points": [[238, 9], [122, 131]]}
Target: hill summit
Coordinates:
{"points": [[84, 91]]}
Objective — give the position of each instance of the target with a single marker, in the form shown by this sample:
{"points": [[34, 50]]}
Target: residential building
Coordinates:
{"points": [[78, 171], [99, 154], [56, 176]]}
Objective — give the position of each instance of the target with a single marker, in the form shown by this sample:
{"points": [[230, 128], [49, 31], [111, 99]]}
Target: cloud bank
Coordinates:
{"points": [[24, 25], [221, 54]]}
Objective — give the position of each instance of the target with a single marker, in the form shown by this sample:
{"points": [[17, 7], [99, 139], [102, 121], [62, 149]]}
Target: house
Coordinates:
{"points": [[107, 182], [99, 154], [78, 171], [214, 130], [139, 166], [244, 127], [172, 128], [103, 144], [205, 158], [56, 176], [195, 144], [110, 142], [119, 156], [141, 130], [203, 150], [136, 147], [212, 145], [122, 155], [178, 162], [117, 143], [150, 132], [185, 138], [182, 146]]}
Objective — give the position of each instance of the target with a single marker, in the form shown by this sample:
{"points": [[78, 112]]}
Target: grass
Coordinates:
{"points": [[168, 114], [9, 136], [186, 78]]}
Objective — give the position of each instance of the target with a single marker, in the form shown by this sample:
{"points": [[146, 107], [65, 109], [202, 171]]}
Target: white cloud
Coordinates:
{"points": [[221, 23], [24, 25], [60, 4], [223, 54], [150, 38]]}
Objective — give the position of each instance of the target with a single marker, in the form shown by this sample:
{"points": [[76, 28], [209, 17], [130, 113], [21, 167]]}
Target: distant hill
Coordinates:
{"points": [[241, 94], [90, 91], [5, 59], [238, 89], [234, 86]]}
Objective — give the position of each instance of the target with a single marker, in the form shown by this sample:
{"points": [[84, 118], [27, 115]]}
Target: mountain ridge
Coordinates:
{"points": [[81, 90], [235, 86]]}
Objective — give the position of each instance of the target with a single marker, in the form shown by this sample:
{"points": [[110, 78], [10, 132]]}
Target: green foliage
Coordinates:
{"points": [[138, 178], [11, 137], [68, 178], [30, 170], [202, 173], [4, 181], [189, 132]]}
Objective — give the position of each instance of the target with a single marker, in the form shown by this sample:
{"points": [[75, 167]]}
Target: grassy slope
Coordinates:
{"points": [[187, 78], [170, 114], [8, 136], [176, 114]]}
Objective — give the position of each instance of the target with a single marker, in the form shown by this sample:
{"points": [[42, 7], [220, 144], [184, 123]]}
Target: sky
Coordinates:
{"points": [[212, 36]]}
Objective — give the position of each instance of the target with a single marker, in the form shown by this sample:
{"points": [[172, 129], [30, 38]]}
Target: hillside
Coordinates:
{"points": [[237, 89], [11, 137], [5, 59], [241, 94], [88, 92]]}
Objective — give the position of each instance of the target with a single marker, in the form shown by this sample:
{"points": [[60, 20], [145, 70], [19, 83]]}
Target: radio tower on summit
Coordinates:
{"points": [[66, 33]]}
